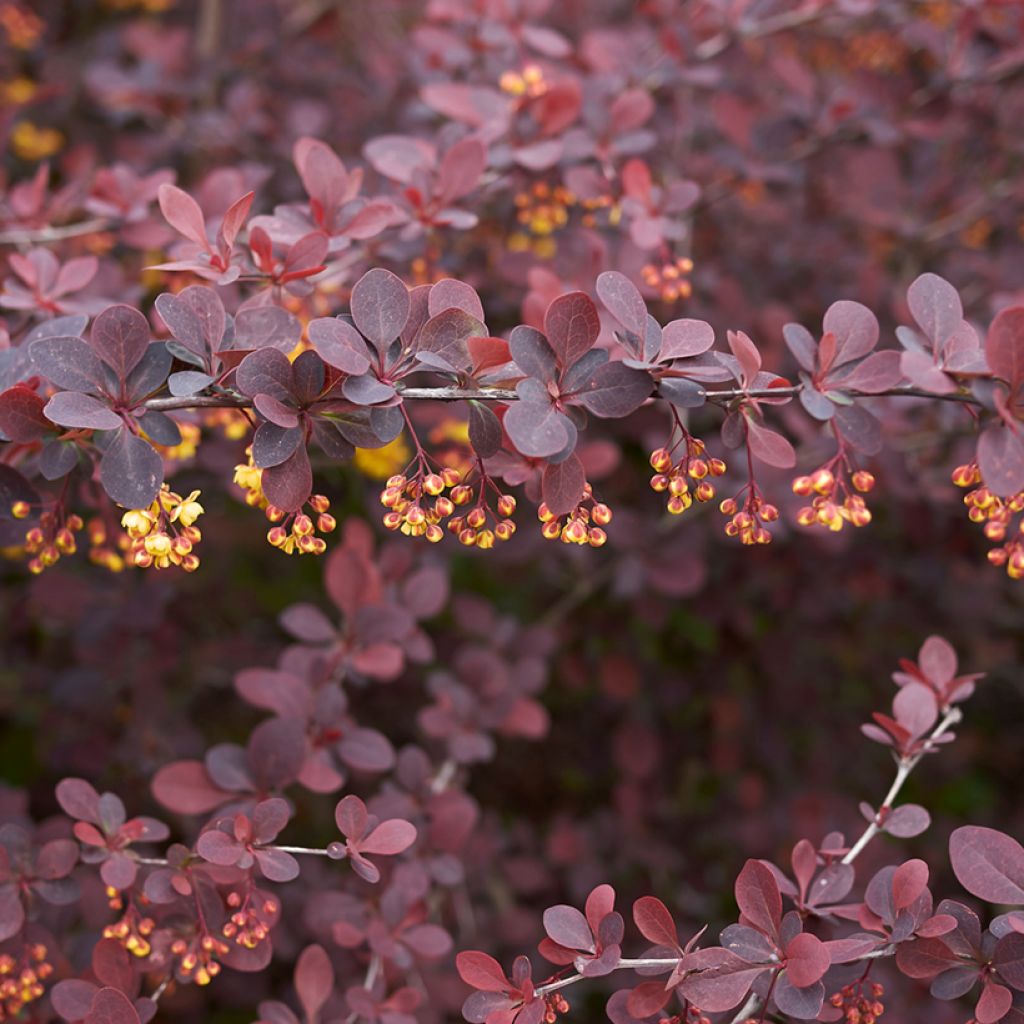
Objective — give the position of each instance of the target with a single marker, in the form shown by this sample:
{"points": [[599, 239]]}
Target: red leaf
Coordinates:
{"points": [[655, 922], [182, 212], [769, 447], [1004, 347], [758, 897], [807, 959], [572, 325], [481, 972], [314, 980]]}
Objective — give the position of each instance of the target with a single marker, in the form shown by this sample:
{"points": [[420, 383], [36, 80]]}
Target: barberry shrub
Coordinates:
{"points": [[416, 287]]}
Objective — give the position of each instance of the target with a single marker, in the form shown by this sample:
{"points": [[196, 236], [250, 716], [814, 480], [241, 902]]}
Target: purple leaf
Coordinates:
{"points": [[988, 864], [935, 305], [73, 409], [769, 446], [1004, 347], [380, 307], [266, 371], [568, 927], [484, 430], [615, 390], [272, 445], [120, 337], [69, 363], [532, 353], [623, 300], [562, 485], [855, 329], [534, 425], [340, 345], [130, 471], [572, 326], [681, 339], [1001, 459], [807, 960], [289, 484]]}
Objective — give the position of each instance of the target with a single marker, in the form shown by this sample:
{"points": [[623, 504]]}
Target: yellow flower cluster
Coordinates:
{"points": [[747, 521], [21, 980], [295, 533], [246, 925], [32, 143], [669, 279], [834, 503], [380, 463], [133, 932], [471, 528], [526, 84], [418, 505], [540, 211], [197, 961], [51, 537], [164, 534], [583, 525], [22, 27], [996, 516], [676, 477]]}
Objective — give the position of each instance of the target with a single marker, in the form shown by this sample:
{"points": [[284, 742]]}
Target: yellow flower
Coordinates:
{"points": [[380, 463], [32, 143], [137, 522], [188, 511]]}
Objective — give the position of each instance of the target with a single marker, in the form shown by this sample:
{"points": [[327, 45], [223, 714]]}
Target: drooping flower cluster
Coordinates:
{"points": [[747, 520], [669, 278], [997, 516], [294, 533], [583, 525], [541, 211], [164, 534], [859, 1002], [51, 537], [21, 979], [132, 930], [835, 500], [472, 527], [675, 477], [417, 504]]}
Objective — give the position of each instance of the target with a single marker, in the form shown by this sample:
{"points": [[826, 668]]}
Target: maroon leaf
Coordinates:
{"points": [[21, 414], [484, 430], [130, 471], [111, 1007], [562, 485], [380, 307], [572, 325], [854, 328], [120, 337], [289, 484]]}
